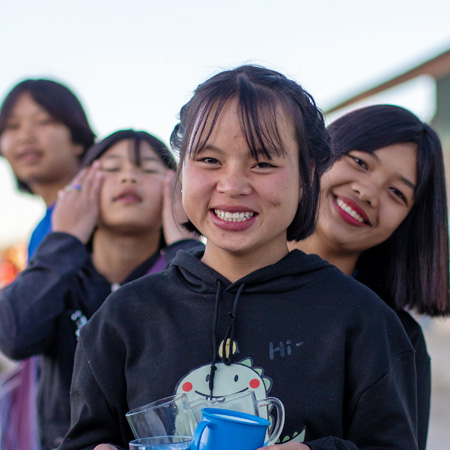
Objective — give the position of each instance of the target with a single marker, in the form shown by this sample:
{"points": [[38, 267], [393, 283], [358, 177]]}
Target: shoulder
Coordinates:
{"points": [[42, 229], [414, 332], [326, 283], [128, 313], [346, 290], [362, 311], [62, 249], [138, 296], [189, 245]]}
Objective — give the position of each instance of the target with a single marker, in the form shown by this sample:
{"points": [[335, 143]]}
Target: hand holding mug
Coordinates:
{"points": [[287, 446]]}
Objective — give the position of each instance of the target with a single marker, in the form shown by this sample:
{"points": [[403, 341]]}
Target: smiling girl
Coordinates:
{"points": [[383, 219], [245, 313], [108, 230]]}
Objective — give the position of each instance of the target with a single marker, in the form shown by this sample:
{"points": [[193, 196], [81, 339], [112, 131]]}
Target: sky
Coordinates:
{"points": [[134, 64]]}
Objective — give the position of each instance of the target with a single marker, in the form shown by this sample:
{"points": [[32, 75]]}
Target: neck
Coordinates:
{"points": [[49, 191], [115, 256], [234, 266], [344, 261]]}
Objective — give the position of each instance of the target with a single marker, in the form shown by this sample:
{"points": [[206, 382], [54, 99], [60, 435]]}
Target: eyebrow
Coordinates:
{"points": [[210, 147], [407, 182], [401, 178]]}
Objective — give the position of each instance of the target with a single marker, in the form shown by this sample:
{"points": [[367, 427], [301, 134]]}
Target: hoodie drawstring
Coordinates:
{"points": [[228, 356], [214, 338]]}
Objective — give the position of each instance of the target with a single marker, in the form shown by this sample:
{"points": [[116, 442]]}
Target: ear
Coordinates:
{"points": [[78, 149]]}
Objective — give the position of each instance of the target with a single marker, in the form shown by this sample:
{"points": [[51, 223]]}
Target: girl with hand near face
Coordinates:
{"points": [[383, 220], [107, 230], [245, 313]]}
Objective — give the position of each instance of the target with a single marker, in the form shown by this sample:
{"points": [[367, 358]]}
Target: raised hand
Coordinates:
{"points": [[173, 214], [77, 208]]}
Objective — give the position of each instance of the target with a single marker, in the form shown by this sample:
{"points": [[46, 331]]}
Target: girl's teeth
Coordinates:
{"points": [[233, 217], [349, 210]]}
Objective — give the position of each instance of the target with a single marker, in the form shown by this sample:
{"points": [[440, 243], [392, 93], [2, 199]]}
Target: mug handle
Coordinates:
{"points": [[279, 424], [198, 435]]}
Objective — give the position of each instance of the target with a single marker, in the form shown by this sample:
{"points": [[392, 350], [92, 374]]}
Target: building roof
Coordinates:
{"points": [[437, 67]]}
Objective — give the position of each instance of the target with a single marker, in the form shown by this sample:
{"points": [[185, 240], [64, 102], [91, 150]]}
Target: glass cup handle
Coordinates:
{"points": [[198, 435], [279, 424]]}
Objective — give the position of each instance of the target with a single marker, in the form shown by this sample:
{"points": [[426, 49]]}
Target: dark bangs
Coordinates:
{"points": [[259, 111], [137, 137], [374, 127]]}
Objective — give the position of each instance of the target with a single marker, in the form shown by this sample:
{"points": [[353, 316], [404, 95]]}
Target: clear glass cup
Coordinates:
{"points": [[170, 416], [162, 443]]}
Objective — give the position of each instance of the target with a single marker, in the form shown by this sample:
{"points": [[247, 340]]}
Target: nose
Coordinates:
{"points": [[234, 183], [129, 175], [131, 180], [26, 132], [367, 191]]}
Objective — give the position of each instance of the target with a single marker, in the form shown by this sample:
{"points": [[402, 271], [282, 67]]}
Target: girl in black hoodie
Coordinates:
{"points": [[244, 313]]}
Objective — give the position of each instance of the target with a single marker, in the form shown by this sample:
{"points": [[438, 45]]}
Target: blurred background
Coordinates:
{"points": [[135, 63]]}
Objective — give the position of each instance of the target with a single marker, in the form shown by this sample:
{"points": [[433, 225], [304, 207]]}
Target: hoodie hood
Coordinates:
{"points": [[293, 271]]}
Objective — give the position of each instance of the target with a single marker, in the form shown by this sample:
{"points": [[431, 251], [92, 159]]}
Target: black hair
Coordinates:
{"points": [[260, 92], [137, 137], [60, 103], [411, 268]]}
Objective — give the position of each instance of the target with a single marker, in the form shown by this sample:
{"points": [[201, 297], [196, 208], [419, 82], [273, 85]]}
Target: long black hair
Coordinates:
{"points": [[260, 92], [411, 268]]}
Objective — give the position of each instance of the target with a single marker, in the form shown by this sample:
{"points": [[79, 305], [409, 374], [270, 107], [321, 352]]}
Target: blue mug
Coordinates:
{"points": [[223, 429]]}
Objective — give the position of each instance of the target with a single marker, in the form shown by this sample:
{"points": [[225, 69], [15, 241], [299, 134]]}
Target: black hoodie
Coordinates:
{"points": [[42, 311], [324, 344]]}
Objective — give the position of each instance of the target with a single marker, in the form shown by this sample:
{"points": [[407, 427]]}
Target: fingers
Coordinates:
{"points": [[105, 447], [287, 446], [173, 214], [169, 183], [77, 209], [87, 181], [92, 180]]}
